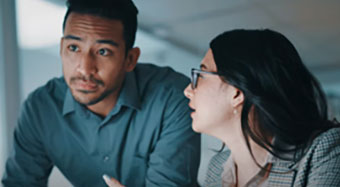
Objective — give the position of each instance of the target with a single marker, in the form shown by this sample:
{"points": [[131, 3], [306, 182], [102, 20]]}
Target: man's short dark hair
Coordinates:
{"points": [[122, 10]]}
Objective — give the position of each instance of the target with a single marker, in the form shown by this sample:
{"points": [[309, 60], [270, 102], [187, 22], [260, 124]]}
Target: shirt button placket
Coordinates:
{"points": [[106, 158]]}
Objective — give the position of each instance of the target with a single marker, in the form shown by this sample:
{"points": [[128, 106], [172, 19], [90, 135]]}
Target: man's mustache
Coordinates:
{"points": [[90, 79]]}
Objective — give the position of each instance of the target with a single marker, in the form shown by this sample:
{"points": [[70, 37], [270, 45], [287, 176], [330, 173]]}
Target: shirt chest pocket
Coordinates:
{"points": [[137, 172]]}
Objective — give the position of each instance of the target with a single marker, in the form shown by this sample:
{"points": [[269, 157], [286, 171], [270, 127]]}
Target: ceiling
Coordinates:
{"points": [[313, 26]]}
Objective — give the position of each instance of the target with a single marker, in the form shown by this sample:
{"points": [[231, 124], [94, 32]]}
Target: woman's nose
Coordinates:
{"points": [[188, 91]]}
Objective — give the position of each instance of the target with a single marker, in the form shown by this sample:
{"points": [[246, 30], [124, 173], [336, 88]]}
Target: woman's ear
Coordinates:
{"points": [[237, 97], [132, 58]]}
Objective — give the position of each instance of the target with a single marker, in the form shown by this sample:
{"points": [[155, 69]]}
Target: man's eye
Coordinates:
{"points": [[73, 48], [104, 52]]}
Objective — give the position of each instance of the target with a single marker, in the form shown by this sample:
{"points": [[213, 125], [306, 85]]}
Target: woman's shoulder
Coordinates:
{"points": [[325, 146], [326, 142], [324, 150], [321, 163]]}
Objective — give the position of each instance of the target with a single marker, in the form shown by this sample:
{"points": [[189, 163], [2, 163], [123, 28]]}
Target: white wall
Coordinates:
{"points": [[2, 100], [9, 76]]}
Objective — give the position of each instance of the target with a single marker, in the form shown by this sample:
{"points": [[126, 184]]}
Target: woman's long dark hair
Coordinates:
{"points": [[286, 100]]}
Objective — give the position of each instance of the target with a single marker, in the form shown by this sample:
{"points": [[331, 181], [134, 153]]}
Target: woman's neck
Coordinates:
{"points": [[246, 167]]}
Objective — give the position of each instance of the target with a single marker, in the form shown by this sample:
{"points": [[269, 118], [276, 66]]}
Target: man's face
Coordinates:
{"points": [[93, 55]]}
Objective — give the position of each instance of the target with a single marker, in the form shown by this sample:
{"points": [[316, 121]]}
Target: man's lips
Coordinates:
{"points": [[89, 86], [84, 84]]}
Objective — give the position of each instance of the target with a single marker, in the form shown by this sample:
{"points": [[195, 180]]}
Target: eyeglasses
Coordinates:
{"points": [[195, 73]]}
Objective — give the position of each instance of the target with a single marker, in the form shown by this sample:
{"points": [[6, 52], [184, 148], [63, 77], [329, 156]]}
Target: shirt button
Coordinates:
{"points": [[106, 158]]}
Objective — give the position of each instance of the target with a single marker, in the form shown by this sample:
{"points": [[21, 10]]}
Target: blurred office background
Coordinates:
{"points": [[172, 33]]}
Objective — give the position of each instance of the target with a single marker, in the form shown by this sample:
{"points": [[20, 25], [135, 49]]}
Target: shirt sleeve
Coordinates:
{"points": [[176, 156], [28, 165]]}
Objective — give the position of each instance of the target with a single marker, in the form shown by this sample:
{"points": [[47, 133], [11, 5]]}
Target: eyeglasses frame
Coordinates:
{"points": [[195, 74]]}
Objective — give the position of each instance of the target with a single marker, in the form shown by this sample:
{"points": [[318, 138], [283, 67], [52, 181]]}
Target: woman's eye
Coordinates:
{"points": [[104, 52], [73, 48], [200, 75]]}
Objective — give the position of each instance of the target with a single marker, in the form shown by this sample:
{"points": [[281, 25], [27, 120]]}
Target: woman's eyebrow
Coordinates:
{"points": [[203, 66]]}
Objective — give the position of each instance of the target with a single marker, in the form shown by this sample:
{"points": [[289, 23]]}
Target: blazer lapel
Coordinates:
{"points": [[282, 173]]}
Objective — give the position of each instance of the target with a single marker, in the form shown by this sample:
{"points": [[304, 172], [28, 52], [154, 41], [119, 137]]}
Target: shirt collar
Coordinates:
{"points": [[69, 102], [229, 172], [129, 95]]}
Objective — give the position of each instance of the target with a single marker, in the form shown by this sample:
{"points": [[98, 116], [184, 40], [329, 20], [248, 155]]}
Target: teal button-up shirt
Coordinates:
{"points": [[146, 140]]}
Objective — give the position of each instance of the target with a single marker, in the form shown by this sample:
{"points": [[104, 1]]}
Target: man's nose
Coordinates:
{"points": [[87, 65]]}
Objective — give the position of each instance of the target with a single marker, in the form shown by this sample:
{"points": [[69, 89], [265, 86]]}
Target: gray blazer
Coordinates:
{"points": [[319, 167]]}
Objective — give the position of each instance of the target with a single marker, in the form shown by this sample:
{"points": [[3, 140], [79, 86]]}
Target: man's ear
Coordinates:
{"points": [[237, 97], [132, 58]]}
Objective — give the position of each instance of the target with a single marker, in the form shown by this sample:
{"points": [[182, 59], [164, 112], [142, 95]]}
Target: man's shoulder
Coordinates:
{"points": [[54, 89], [156, 76]]}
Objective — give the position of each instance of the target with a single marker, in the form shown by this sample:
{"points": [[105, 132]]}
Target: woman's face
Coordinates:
{"points": [[211, 100]]}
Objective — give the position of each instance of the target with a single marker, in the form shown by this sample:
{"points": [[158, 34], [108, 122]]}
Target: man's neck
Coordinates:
{"points": [[103, 107]]}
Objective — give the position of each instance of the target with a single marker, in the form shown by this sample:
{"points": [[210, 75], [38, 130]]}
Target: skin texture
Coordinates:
{"points": [[111, 182], [212, 100], [217, 109], [94, 60]]}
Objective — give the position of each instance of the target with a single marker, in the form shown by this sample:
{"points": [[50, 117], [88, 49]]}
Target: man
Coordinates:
{"points": [[106, 115]]}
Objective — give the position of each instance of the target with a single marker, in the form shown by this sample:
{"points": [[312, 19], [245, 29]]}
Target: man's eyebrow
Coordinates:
{"points": [[72, 37], [110, 42]]}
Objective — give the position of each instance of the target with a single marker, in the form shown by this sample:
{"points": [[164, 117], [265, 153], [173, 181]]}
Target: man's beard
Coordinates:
{"points": [[96, 100], [92, 80]]}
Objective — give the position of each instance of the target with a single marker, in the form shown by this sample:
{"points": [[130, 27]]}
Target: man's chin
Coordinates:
{"points": [[86, 101], [89, 98], [86, 98]]}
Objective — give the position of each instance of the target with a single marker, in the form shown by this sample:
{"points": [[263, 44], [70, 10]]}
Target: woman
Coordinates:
{"points": [[254, 93]]}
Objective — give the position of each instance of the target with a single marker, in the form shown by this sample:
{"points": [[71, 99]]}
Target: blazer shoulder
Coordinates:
{"points": [[324, 149], [327, 141]]}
